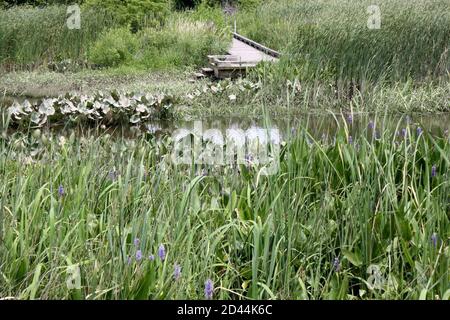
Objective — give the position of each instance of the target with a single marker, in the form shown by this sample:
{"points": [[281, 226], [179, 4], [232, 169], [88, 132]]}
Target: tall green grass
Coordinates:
{"points": [[336, 207], [331, 40], [30, 36]]}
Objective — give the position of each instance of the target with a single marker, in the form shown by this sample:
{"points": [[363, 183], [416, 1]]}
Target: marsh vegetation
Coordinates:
{"points": [[92, 205]]}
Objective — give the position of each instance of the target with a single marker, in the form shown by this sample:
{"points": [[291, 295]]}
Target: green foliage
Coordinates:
{"points": [[135, 13], [210, 14], [185, 4], [182, 42], [330, 39], [114, 47], [241, 4], [313, 230], [31, 36], [248, 4]]}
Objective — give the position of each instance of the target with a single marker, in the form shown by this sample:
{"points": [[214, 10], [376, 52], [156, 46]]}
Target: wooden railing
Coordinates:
{"points": [[256, 45]]}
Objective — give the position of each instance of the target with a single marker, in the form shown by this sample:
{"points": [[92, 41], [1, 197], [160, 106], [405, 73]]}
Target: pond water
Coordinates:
{"points": [[317, 125]]}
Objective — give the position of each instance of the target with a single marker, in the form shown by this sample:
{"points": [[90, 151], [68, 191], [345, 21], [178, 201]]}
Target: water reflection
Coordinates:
{"points": [[318, 125]]}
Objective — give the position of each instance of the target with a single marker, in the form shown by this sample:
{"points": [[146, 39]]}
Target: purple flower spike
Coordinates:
{"points": [[350, 139], [137, 242], [151, 258], [433, 171], [209, 289], [371, 125], [434, 239], [112, 175], [138, 255], [404, 133], [162, 252], [350, 119], [419, 131], [336, 264], [177, 271], [61, 191]]}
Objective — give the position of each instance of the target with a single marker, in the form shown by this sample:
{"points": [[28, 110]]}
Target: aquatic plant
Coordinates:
{"points": [[109, 108]]}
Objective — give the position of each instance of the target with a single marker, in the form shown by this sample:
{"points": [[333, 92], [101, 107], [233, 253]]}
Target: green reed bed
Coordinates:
{"points": [[331, 39], [345, 217], [31, 36]]}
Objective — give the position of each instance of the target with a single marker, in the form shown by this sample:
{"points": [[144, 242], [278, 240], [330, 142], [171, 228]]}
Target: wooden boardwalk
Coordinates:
{"points": [[242, 55], [248, 53]]}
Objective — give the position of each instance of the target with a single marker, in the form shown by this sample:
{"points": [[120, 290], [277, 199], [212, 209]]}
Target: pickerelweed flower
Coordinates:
{"points": [[419, 131], [336, 264], [61, 191], [350, 139], [162, 252], [151, 257], [112, 175], [136, 242], [433, 171], [176, 271], [434, 239], [404, 133], [138, 255], [209, 289], [371, 124], [350, 119]]}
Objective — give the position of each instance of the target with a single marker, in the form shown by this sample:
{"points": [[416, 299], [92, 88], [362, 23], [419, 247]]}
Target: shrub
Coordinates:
{"points": [[113, 48], [209, 14], [136, 14], [182, 42]]}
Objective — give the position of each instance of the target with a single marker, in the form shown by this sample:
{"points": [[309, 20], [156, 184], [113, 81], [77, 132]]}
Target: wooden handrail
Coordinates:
{"points": [[257, 45]]}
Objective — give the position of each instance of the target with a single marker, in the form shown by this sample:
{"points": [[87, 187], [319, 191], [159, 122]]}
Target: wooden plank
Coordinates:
{"points": [[247, 53], [256, 45], [243, 54]]}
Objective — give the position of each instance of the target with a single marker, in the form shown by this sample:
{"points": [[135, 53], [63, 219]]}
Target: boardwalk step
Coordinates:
{"points": [[207, 71]]}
